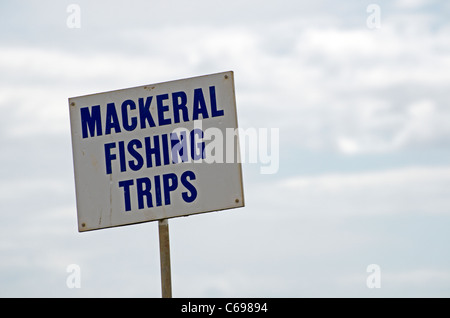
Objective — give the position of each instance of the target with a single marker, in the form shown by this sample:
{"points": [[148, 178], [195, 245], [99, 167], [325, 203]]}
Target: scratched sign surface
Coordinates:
{"points": [[156, 151]]}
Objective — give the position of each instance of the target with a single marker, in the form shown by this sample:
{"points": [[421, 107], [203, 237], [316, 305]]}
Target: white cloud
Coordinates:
{"points": [[411, 281], [418, 277], [329, 84], [411, 4], [393, 192], [335, 88]]}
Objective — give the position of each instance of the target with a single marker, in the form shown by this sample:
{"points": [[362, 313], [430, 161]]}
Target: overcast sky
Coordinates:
{"points": [[361, 104]]}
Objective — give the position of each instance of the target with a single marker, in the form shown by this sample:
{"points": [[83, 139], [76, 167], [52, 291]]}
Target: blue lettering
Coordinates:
{"points": [[123, 163], [162, 109], [158, 190], [112, 121], [109, 157], [136, 164], [192, 195], [199, 105], [165, 146], [91, 121], [179, 105], [125, 121], [152, 151], [170, 183], [144, 112], [143, 186], [146, 191], [212, 96], [179, 145], [194, 154], [126, 184]]}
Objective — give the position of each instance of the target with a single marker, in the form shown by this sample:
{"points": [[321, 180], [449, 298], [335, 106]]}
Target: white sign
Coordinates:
{"points": [[156, 151]]}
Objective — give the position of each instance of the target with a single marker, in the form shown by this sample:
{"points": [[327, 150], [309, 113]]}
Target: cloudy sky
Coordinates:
{"points": [[359, 91]]}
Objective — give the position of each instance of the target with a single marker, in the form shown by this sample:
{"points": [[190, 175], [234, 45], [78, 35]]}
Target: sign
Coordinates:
{"points": [[156, 151]]}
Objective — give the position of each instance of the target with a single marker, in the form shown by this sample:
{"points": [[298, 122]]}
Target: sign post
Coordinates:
{"points": [[155, 152], [164, 253]]}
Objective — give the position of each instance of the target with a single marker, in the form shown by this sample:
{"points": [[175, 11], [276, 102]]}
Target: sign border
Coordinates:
{"points": [[238, 202]]}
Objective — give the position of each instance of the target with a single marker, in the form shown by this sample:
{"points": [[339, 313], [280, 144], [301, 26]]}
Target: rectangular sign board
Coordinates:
{"points": [[156, 151]]}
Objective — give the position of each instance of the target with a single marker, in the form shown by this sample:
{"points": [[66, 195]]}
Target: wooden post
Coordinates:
{"points": [[164, 252]]}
